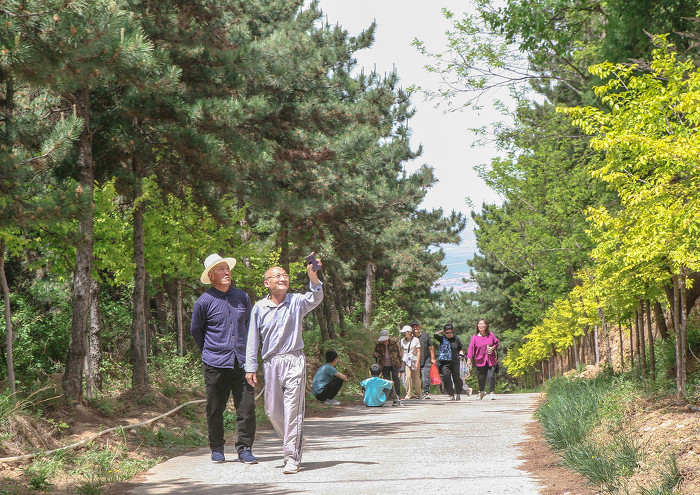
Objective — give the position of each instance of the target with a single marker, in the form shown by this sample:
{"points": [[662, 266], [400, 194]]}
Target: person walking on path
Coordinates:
{"points": [[328, 380], [482, 350], [275, 330], [410, 355], [219, 327], [388, 356], [448, 358], [427, 356]]}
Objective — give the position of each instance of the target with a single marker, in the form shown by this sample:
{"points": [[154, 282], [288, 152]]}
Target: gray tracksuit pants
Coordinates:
{"points": [[285, 396]]}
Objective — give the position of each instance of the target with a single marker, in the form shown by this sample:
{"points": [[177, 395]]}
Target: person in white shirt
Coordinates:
{"points": [[410, 355]]}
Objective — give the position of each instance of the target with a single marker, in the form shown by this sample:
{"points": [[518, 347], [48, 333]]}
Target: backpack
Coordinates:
{"points": [[445, 350]]}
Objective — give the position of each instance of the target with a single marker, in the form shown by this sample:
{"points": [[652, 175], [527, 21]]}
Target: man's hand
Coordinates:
{"points": [[252, 378], [313, 276]]}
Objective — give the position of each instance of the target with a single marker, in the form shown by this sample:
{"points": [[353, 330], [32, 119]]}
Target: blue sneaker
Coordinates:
{"points": [[247, 456], [217, 455]]}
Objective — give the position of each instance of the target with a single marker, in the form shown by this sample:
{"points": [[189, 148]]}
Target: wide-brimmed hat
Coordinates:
{"points": [[383, 336], [213, 260]]}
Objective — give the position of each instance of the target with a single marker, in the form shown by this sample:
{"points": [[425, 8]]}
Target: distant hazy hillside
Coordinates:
{"points": [[456, 261]]}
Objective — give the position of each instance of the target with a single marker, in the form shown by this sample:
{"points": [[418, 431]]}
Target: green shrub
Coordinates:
{"points": [[569, 412]]}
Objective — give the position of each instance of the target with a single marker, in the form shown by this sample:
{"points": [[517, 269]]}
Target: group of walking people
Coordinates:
{"points": [[231, 332], [414, 355]]}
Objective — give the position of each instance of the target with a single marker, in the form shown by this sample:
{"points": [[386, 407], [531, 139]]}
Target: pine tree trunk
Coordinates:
{"points": [[652, 362], [370, 272], [73, 376], [320, 313], [338, 301], [139, 377], [642, 341], [8, 322], [660, 320], [93, 357]]}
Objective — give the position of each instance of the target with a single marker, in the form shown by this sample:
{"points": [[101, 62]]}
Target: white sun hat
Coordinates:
{"points": [[211, 261]]}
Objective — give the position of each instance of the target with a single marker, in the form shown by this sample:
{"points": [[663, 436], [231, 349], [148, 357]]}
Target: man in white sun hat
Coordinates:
{"points": [[220, 320]]}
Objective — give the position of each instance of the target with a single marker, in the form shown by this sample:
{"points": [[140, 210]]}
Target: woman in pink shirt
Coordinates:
{"points": [[482, 350]]}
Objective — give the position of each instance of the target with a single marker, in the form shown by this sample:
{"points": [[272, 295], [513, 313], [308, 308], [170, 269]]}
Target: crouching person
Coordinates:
{"points": [[328, 380]]}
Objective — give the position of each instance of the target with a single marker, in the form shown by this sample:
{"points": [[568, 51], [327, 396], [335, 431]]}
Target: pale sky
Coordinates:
{"points": [[445, 137]]}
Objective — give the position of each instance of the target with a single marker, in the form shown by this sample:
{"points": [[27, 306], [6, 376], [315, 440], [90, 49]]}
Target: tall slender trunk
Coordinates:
{"points": [[642, 341], [370, 272], [652, 361], [684, 331], [631, 347], [8, 322], [622, 347], [595, 346], [637, 340], [338, 301], [139, 376], [73, 376], [676, 303], [93, 357], [575, 353], [660, 320], [178, 318]]}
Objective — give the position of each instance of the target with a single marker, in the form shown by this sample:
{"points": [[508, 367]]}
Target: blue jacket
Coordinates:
{"points": [[220, 326]]}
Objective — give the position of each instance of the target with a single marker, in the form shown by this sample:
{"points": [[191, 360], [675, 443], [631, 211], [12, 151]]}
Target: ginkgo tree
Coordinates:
{"points": [[649, 135]]}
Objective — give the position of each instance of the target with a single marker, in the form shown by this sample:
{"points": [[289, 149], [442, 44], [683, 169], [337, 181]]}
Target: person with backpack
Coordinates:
{"points": [[448, 355]]}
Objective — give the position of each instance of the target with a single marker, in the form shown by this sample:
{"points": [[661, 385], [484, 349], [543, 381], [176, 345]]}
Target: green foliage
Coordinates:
{"points": [[41, 323], [569, 413], [100, 466], [176, 440], [603, 466]]}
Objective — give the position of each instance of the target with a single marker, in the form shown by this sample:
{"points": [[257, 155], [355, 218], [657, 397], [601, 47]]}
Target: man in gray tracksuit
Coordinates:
{"points": [[275, 329]]}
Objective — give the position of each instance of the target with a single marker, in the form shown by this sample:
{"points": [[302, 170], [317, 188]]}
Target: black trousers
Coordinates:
{"points": [[389, 373], [486, 374], [220, 383], [331, 389], [449, 371]]}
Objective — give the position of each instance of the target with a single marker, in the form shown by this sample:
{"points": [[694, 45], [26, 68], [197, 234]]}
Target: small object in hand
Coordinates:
{"points": [[311, 260]]}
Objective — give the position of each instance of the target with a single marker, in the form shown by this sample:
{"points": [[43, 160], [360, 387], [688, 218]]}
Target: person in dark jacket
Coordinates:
{"points": [[449, 353], [219, 327], [388, 356]]}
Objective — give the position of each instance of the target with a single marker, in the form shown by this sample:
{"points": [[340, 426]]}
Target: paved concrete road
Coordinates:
{"points": [[435, 445]]}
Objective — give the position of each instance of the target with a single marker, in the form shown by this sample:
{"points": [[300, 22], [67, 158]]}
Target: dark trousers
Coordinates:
{"points": [[389, 373], [486, 374], [425, 376], [331, 389], [220, 382], [449, 371]]}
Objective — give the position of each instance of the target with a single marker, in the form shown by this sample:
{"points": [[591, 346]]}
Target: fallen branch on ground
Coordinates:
{"points": [[104, 432]]}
